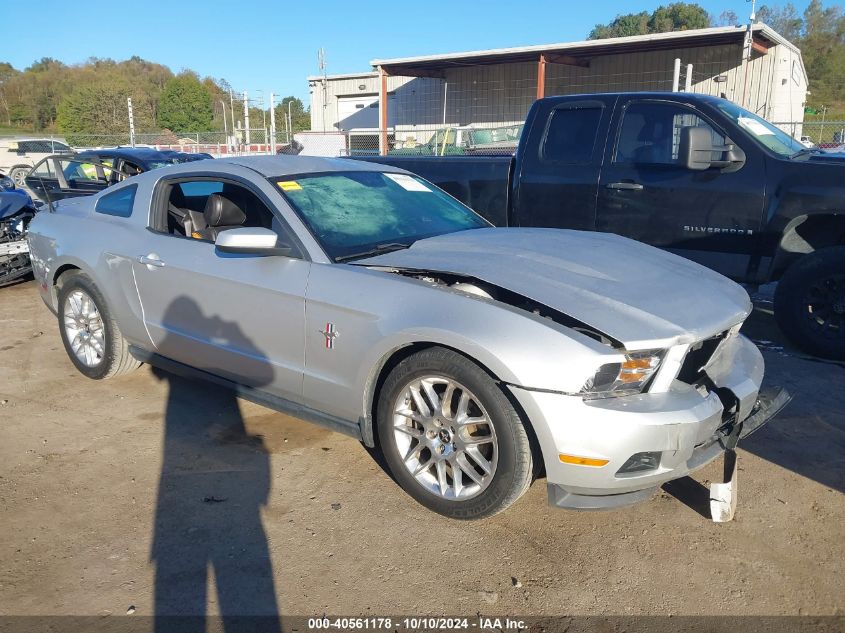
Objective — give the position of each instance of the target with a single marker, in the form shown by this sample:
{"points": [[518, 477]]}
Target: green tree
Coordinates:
{"points": [[785, 20], [101, 108], [299, 113], [185, 105], [820, 34], [7, 73], [678, 16]]}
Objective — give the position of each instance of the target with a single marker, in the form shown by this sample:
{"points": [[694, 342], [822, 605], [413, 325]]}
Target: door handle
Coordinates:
{"points": [[627, 186], [151, 260]]}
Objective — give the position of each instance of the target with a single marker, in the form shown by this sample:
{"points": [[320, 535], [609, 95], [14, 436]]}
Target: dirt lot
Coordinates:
{"points": [[114, 492]]}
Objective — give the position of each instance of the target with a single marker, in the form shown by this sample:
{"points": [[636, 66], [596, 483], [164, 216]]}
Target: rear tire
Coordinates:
{"points": [[90, 334], [810, 303], [451, 437]]}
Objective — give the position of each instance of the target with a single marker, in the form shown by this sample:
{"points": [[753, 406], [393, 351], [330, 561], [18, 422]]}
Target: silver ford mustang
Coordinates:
{"points": [[362, 297]]}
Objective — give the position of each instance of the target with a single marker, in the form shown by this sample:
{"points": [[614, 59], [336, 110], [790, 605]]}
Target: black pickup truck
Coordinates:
{"points": [[693, 174]]}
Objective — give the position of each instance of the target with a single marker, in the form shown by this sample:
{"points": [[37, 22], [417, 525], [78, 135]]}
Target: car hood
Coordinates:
{"points": [[634, 293]]}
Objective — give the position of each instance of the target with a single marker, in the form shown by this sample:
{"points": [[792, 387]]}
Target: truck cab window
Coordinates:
{"points": [[571, 135], [651, 133]]}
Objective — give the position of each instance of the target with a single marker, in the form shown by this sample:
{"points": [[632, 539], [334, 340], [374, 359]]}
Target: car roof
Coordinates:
{"points": [[675, 96], [277, 166], [138, 153]]}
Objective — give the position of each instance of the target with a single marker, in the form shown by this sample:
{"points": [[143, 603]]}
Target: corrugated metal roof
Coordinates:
{"points": [[586, 48]]}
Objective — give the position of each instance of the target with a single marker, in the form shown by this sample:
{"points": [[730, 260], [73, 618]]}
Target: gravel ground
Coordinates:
{"points": [[115, 492]]}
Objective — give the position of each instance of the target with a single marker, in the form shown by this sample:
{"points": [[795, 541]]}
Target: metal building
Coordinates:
{"points": [[407, 99]]}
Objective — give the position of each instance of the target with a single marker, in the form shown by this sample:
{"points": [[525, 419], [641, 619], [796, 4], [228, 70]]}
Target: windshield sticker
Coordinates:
{"points": [[407, 182], [289, 185], [755, 127]]}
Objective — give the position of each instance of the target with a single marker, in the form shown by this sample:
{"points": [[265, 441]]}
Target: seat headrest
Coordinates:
{"points": [[220, 211], [177, 196]]}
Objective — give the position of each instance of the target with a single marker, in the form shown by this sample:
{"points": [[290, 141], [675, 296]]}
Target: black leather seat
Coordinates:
{"points": [[220, 214]]}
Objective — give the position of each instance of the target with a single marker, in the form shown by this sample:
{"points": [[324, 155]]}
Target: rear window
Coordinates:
{"points": [[118, 203], [571, 135]]}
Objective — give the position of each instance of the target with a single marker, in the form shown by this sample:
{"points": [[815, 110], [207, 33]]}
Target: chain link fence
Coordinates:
{"points": [[400, 140], [824, 134]]}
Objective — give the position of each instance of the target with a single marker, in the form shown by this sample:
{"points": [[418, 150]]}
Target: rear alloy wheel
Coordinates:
{"points": [[451, 437], [810, 303], [92, 340]]}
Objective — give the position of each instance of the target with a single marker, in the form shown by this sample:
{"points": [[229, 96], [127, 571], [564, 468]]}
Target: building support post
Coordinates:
{"points": [[541, 76], [676, 75], [688, 79], [382, 111]]}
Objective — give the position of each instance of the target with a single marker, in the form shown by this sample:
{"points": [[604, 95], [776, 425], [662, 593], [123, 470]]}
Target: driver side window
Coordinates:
{"points": [[651, 133], [201, 209]]}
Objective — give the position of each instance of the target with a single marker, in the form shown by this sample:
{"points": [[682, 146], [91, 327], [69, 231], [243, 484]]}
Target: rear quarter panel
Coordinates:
{"points": [[101, 246]]}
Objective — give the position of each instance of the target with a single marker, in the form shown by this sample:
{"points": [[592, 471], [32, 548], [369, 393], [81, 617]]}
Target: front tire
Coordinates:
{"points": [[810, 303], [18, 175], [451, 437], [92, 340]]}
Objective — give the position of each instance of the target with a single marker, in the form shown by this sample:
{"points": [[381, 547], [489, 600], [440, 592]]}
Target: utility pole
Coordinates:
{"points": [[321, 63], [290, 117], [232, 114], [273, 124], [246, 116], [747, 47], [131, 122], [225, 124]]}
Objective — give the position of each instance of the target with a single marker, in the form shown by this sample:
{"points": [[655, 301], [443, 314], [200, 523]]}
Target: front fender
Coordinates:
{"points": [[378, 314]]}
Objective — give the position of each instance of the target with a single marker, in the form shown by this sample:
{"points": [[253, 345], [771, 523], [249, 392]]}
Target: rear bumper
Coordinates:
{"points": [[686, 426]]}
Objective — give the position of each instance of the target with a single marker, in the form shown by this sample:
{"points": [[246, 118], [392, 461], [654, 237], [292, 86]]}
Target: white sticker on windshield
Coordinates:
{"points": [[755, 127], [407, 182]]}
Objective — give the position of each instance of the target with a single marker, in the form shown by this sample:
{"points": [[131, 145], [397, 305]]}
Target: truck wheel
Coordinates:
{"points": [[810, 303], [451, 437], [18, 174], [90, 335]]}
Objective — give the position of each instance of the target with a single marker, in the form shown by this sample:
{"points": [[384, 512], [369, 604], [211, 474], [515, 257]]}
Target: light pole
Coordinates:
{"points": [[225, 124], [290, 118]]}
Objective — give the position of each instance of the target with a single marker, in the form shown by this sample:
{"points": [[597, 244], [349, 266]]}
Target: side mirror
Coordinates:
{"points": [[695, 149], [252, 241]]}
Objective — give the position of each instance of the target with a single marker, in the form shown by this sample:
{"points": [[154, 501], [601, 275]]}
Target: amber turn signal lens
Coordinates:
{"points": [[582, 461]]}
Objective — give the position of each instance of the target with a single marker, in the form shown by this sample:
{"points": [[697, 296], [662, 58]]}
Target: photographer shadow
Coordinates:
{"points": [[215, 478]]}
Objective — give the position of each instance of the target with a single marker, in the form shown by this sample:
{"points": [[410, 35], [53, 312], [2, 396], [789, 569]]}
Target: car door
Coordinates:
{"points": [[558, 179], [238, 316], [646, 193]]}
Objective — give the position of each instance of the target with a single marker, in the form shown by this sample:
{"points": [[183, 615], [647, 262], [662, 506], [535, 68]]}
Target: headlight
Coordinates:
{"points": [[6, 183], [623, 379]]}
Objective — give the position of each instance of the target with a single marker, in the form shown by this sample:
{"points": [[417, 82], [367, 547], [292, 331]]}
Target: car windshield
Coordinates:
{"points": [[355, 213], [767, 134]]}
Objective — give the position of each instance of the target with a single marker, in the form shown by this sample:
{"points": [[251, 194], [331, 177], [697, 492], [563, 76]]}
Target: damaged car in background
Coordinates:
{"points": [[363, 298], [16, 212]]}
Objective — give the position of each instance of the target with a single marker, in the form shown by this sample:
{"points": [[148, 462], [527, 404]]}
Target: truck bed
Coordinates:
{"points": [[480, 182]]}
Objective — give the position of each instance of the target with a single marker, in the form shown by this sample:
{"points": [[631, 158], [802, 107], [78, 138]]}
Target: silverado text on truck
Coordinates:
{"points": [[693, 174]]}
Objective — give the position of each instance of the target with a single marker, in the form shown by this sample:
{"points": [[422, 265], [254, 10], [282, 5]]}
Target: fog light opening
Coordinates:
{"points": [[640, 462]]}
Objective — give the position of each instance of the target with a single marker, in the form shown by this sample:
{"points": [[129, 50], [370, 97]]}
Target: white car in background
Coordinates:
{"points": [[17, 156]]}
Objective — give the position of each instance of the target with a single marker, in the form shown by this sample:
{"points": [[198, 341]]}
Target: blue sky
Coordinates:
{"points": [[272, 46]]}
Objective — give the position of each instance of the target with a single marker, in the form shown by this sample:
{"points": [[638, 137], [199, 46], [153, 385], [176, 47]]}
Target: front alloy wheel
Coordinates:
{"points": [[451, 436], [445, 437]]}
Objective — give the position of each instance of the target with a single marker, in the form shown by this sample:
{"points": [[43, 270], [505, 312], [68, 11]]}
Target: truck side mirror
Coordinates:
{"points": [[695, 149]]}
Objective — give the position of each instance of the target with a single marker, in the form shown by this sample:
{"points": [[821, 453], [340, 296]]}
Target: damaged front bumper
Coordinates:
{"points": [[682, 430]]}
